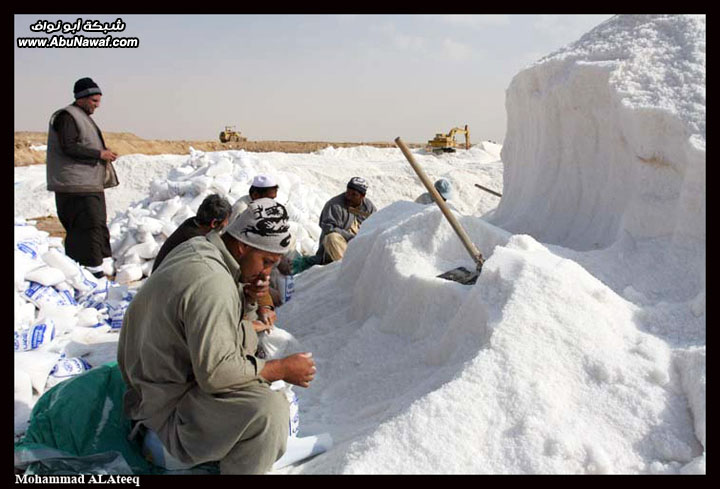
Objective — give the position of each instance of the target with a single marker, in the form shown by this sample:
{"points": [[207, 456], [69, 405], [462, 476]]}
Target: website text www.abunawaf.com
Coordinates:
{"points": [[58, 41]]}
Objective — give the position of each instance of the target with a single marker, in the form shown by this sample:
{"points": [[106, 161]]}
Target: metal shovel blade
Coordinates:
{"points": [[461, 275]]}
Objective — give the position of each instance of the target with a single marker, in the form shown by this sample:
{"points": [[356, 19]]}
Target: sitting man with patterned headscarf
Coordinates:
{"points": [[188, 352]]}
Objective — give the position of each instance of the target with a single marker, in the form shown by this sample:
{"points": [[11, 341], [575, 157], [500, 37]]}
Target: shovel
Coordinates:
{"points": [[461, 274]]}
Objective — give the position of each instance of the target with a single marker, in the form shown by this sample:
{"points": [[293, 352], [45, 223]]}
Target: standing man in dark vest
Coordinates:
{"points": [[79, 169]]}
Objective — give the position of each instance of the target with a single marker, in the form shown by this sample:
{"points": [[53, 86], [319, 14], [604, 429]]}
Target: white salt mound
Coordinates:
{"points": [[543, 366], [607, 136]]}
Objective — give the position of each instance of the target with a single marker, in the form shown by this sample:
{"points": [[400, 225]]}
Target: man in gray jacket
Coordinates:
{"points": [[340, 221], [79, 169], [188, 349]]}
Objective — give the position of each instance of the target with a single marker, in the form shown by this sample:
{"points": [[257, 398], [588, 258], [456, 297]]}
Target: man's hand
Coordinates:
{"points": [[260, 326], [298, 369], [267, 315], [107, 155], [258, 287], [285, 266], [355, 228]]}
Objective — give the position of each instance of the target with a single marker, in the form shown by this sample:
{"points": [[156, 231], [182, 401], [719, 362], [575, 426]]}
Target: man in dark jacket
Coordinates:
{"points": [[213, 213], [340, 221], [79, 170]]}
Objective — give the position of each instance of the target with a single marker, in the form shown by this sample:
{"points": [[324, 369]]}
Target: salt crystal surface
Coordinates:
{"points": [[580, 349]]}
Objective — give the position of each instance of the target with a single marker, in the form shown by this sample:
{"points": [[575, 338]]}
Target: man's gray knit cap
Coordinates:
{"points": [[263, 225], [85, 87]]}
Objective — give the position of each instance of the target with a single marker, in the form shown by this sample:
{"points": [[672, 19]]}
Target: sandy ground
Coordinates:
{"points": [[125, 143], [51, 224]]}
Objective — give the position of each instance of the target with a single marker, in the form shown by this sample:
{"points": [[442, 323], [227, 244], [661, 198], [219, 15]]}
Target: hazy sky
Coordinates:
{"points": [[294, 77]]}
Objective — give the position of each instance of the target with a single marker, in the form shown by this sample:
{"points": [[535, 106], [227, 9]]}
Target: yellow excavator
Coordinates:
{"points": [[446, 142], [231, 135]]}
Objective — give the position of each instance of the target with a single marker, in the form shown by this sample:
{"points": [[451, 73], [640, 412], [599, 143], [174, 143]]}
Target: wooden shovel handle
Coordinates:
{"points": [[474, 252]]}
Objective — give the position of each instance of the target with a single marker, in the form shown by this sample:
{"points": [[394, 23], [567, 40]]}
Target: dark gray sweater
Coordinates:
{"points": [[336, 217]]}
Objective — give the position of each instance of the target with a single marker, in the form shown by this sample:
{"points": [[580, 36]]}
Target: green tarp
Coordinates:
{"points": [[302, 263], [78, 426]]}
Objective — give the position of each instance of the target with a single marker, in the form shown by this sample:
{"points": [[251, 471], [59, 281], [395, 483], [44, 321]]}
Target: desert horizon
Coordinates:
{"points": [[124, 143]]}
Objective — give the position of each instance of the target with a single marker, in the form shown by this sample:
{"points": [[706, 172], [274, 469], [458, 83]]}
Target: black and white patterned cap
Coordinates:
{"points": [[263, 225], [359, 184]]}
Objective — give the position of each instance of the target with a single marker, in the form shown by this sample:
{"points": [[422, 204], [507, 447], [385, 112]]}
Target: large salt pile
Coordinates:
{"points": [[135, 173], [586, 355], [606, 137]]}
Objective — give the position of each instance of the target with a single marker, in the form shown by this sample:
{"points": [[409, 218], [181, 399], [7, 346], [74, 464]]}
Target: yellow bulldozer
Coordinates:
{"points": [[230, 135], [446, 142]]}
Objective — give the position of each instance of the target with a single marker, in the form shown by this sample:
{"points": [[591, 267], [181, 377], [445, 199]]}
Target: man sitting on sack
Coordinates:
{"points": [[189, 358], [340, 221]]}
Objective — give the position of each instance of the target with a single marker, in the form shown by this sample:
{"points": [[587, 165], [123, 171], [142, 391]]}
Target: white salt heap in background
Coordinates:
{"points": [[581, 349]]}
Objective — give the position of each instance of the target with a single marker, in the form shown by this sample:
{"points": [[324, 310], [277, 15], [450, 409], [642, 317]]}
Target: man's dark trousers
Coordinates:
{"points": [[84, 217]]}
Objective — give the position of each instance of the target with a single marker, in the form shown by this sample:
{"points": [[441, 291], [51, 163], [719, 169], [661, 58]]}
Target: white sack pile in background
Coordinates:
{"points": [[137, 234]]}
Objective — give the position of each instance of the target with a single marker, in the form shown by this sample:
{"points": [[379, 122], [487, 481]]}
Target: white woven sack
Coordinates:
{"points": [[129, 273], [67, 265]]}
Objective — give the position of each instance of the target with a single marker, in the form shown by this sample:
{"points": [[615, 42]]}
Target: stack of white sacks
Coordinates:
{"points": [[137, 234], [58, 305]]}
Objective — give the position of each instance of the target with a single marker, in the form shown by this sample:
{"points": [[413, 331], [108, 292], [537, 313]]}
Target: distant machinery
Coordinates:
{"points": [[446, 142], [230, 135]]}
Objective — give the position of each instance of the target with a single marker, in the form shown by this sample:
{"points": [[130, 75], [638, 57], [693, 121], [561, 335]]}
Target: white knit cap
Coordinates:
{"points": [[264, 181], [263, 225]]}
